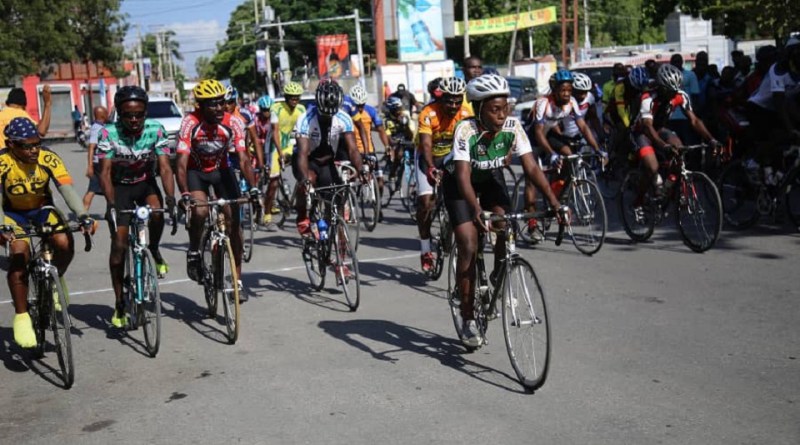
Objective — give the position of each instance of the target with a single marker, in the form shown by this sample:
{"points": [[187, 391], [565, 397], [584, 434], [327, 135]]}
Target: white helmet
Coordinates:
{"points": [[358, 94], [581, 81], [453, 85], [486, 86], [670, 76]]}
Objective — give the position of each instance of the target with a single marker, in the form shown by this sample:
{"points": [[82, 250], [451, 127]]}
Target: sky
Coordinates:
{"points": [[198, 24]]}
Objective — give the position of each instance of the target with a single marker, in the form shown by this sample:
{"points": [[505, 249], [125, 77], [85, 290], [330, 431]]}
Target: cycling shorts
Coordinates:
{"points": [[421, 168], [275, 164], [325, 172], [491, 193], [644, 146], [94, 181], [18, 221], [223, 181], [128, 196], [557, 142]]}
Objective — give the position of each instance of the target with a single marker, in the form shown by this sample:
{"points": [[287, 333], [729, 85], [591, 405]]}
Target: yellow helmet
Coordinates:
{"points": [[292, 89], [208, 89]]}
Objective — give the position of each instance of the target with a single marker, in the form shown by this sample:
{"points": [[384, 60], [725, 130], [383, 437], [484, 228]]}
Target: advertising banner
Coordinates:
{"points": [[506, 23], [421, 37], [147, 66], [333, 56], [261, 61]]}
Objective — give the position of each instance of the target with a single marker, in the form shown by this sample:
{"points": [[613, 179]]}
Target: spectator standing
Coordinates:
{"points": [[77, 120], [93, 169], [15, 107], [409, 101], [678, 122]]}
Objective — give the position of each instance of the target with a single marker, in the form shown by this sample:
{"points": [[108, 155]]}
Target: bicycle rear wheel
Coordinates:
{"points": [[699, 212], [60, 324], [207, 268], [349, 212], [228, 289], [589, 221], [792, 193], [454, 301], [440, 241], [248, 227], [526, 326], [739, 191], [283, 201], [369, 203], [315, 263], [346, 265], [150, 306], [636, 210]]}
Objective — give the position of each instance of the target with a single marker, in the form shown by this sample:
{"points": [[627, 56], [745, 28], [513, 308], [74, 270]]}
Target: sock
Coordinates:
{"points": [[425, 245]]}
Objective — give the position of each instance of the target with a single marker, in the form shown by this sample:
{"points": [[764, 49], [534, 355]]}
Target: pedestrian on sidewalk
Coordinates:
{"points": [[93, 168]]}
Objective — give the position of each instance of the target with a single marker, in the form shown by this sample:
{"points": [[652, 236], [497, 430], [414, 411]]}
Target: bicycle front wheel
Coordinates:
{"points": [[38, 308], [369, 204], [60, 324], [346, 265], [699, 212], [150, 306], [739, 191], [314, 261], [248, 227], [228, 289], [589, 221], [208, 266], [349, 212], [526, 326], [440, 241], [636, 207]]}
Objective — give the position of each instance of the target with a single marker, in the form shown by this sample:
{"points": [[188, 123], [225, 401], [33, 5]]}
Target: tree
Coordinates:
{"points": [[150, 49], [203, 67]]}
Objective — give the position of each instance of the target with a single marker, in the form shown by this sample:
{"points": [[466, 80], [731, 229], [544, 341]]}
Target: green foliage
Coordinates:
{"points": [[150, 49], [38, 33]]}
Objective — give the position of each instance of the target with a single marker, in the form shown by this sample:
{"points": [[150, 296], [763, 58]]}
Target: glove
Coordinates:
{"points": [[170, 201], [186, 200], [5, 228], [554, 158], [87, 223], [432, 175], [255, 194]]}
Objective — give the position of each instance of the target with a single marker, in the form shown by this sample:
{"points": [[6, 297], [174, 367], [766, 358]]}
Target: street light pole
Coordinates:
{"points": [[360, 52], [466, 28]]}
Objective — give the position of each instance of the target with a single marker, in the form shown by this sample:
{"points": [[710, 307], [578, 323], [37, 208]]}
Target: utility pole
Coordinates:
{"points": [[140, 62], [513, 42], [360, 52], [269, 16], [587, 45], [380, 33], [465, 11]]}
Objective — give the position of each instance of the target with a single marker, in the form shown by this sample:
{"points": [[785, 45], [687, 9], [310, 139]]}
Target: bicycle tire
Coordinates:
{"points": [[407, 175], [700, 201], [315, 267], [792, 196], [369, 204], [346, 256], [228, 290], [589, 212], [39, 315], [61, 325], [150, 307], [642, 229], [531, 369], [739, 194], [349, 213], [206, 269], [283, 200], [439, 241], [129, 292], [248, 227]]}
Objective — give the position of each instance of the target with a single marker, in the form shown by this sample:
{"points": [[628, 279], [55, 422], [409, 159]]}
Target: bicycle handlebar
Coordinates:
{"points": [[47, 230], [562, 212]]}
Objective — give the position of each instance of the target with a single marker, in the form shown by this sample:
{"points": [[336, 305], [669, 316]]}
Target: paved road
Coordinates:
{"points": [[653, 344]]}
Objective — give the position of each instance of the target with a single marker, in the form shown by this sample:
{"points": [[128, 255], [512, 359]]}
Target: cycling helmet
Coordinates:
{"points": [[562, 76], [669, 76], [19, 129], [292, 89], [639, 78], [231, 93], [486, 86], [394, 103], [208, 89], [265, 103], [433, 87], [454, 86], [129, 93], [581, 82], [358, 94], [329, 97]]}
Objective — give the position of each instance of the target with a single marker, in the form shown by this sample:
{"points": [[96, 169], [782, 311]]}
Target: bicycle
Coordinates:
{"points": [[398, 182], [369, 200], [330, 234], [47, 299], [698, 204], [588, 220], [248, 219], [524, 313], [140, 290], [348, 175], [441, 234], [747, 196], [219, 276]]}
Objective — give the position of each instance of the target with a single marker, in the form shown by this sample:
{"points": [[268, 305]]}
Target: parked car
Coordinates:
{"points": [[167, 113], [523, 88]]}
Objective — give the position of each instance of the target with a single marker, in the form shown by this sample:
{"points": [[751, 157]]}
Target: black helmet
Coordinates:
{"points": [[329, 97], [129, 93]]}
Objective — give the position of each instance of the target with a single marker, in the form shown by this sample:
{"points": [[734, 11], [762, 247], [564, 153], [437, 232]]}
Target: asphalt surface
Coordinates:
{"points": [[652, 344]]}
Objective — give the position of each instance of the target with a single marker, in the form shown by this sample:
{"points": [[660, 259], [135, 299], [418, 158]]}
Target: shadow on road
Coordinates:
{"points": [[392, 244], [19, 360], [375, 272], [98, 317], [300, 289], [401, 338], [193, 315]]}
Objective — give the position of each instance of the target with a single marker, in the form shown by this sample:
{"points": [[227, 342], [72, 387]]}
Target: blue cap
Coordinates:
{"points": [[20, 128]]}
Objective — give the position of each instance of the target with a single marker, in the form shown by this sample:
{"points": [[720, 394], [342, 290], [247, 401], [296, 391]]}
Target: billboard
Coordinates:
{"points": [[333, 56], [507, 23], [421, 34]]}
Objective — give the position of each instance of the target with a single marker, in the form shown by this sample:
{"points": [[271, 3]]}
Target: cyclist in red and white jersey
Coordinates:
{"points": [[582, 92], [255, 147], [206, 138]]}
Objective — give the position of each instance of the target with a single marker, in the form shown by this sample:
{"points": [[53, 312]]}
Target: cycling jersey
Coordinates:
{"points": [[264, 131], [394, 126], [660, 109], [484, 153], [308, 127], [133, 158], [368, 117], [777, 80], [208, 145], [245, 115], [286, 121], [570, 124], [434, 122], [27, 186], [546, 112]]}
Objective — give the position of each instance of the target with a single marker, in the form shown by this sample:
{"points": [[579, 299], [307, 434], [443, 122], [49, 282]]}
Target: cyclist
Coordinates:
{"points": [[400, 128], [650, 130], [368, 116], [434, 92], [204, 140], [437, 121], [318, 135], [582, 92], [26, 169], [482, 145], [131, 149], [473, 67], [256, 150], [264, 128], [284, 116], [551, 143]]}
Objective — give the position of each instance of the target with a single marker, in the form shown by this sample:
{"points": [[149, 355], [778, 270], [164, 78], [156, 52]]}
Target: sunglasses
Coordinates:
{"points": [[140, 115], [27, 147]]}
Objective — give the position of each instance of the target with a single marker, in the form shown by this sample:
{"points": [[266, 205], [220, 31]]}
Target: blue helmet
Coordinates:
{"points": [[265, 103], [639, 78], [231, 93], [562, 76]]}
